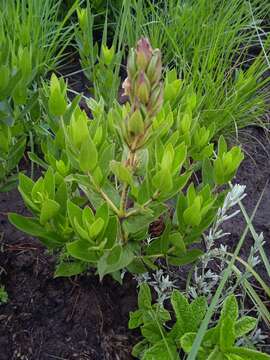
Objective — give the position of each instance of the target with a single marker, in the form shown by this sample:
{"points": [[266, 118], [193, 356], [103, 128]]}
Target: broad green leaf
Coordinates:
{"points": [[186, 258], [49, 209], [248, 354], [121, 172], [187, 341], [96, 228], [49, 183], [198, 309], [74, 212], [88, 156], [135, 319], [111, 231], [65, 269], [222, 146], [33, 227], [151, 331], [245, 325], [192, 215], [182, 312], [82, 250], [230, 308], [164, 349], [145, 297], [227, 334], [115, 259]]}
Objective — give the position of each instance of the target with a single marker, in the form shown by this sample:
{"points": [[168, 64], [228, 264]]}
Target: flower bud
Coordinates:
{"points": [[144, 53], [135, 123], [143, 88], [154, 68], [131, 64]]}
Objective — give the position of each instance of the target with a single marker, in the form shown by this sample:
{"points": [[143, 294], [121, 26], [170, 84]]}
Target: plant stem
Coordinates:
{"points": [[105, 196]]}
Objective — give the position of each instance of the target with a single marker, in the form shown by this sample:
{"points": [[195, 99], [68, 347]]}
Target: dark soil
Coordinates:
{"points": [[255, 174], [80, 318]]}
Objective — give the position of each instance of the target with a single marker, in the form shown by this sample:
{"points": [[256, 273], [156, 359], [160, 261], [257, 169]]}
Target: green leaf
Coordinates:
{"points": [[37, 160], [49, 209], [227, 334], [248, 354], [186, 258], [187, 341], [115, 259], [82, 250], [135, 319], [74, 212], [151, 331], [25, 184], [163, 181], [65, 269], [139, 348], [192, 215], [181, 308], [145, 297], [96, 228], [208, 173], [164, 349], [230, 308], [121, 172], [88, 156], [110, 233], [222, 145], [49, 183], [57, 103], [198, 309], [16, 153], [216, 355], [245, 325], [32, 227]]}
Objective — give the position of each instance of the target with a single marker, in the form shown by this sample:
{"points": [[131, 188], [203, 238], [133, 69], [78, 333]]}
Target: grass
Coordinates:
{"points": [[211, 44], [35, 25]]}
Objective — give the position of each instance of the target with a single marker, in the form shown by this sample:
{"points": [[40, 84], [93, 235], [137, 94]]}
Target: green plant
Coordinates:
{"points": [[32, 42], [164, 342], [3, 295], [100, 66], [109, 178]]}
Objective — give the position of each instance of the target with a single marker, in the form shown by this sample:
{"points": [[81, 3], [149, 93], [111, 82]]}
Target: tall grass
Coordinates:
{"points": [[213, 45], [36, 25]]}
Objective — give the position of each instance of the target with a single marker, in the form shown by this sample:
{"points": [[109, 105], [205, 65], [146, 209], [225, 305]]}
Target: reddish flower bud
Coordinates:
{"points": [[144, 53]]}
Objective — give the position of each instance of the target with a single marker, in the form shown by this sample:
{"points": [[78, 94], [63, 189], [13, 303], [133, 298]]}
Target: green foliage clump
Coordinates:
{"points": [[109, 178], [164, 342], [32, 42]]}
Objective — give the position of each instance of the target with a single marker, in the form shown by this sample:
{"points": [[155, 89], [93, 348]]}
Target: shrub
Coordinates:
{"points": [[109, 178]]}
